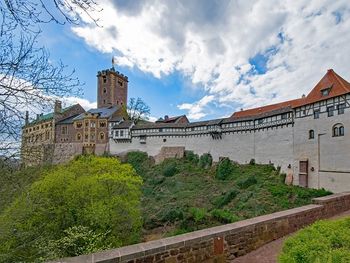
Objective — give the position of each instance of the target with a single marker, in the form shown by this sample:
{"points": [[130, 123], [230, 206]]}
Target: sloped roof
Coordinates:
{"points": [[123, 125], [338, 86], [103, 112], [48, 116], [174, 119], [68, 120]]}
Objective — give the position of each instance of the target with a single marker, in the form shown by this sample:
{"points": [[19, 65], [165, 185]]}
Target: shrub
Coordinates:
{"points": [[139, 161], [170, 170], [191, 157], [173, 215], [205, 161], [224, 169], [224, 216], [324, 241], [198, 214], [252, 162], [226, 198], [245, 183]]}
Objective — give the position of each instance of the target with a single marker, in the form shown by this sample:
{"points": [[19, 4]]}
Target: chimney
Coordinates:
{"points": [[303, 96], [27, 118], [37, 116], [166, 117], [58, 106]]}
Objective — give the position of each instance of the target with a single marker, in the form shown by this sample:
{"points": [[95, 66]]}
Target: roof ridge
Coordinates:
{"points": [[339, 79]]}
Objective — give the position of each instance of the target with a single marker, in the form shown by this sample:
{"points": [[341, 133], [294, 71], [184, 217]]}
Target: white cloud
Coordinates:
{"points": [[212, 44], [197, 110], [68, 101]]}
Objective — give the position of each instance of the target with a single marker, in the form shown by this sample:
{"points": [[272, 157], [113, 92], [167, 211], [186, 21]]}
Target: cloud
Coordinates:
{"points": [[196, 110], [245, 53], [68, 101]]}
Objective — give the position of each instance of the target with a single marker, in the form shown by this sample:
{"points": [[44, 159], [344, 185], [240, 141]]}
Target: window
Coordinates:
{"points": [[160, 130], [102, 136], [260, 121], [64, 130], [164, 140], [311, 134], [117, 133], [338, 130], [284, 116], [86, 137], [120, 83], [92, 136], [325, 92], [316, 114], [78, 136], [92, 124], [341, 108], [121, 133], [86, 124], [104, 90], [78, 125], [330, 111], [102, 124], [104, 79]]}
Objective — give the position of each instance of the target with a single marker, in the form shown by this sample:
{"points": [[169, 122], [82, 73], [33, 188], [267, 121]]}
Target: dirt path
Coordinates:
{"points": [[269, 252]]}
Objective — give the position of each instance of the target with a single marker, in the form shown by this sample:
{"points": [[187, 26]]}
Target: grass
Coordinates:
{"points": [[194, 195]]}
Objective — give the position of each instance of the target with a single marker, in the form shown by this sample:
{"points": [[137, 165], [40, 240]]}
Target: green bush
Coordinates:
{"points": [[252, 162], [246, 182], [139, 161], [172, 215], [224, 216], [205, 161], [226, 198], [322, 242], [191, 157], [224, 169], [170, 169], [94, 192], [198, 214]]}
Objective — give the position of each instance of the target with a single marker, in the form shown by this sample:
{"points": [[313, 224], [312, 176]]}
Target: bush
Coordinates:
{"points": [[205, 161], [252, 162], [224, 216], [173, 215], [94, 192], [191, 157], [324, 241], [198, 214], [139, 161], [245, 183], [224, 169], [170, 170], [226, 198]]}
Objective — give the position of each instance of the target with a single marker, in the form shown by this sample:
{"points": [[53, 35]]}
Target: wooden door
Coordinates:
{"points": [[303, 173]]}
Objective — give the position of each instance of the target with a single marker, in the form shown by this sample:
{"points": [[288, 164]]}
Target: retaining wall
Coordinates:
{"points": [[223, 243]]}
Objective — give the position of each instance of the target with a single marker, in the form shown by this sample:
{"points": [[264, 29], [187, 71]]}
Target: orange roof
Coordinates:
{"points": [[338, 86]]}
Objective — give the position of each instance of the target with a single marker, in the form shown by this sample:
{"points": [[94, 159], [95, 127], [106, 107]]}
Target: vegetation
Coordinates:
{"points": [[322, 242], [90, 204], [182, 195]]}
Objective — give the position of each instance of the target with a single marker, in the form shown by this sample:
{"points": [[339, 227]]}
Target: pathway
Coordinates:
{"points": [[269, 252]]}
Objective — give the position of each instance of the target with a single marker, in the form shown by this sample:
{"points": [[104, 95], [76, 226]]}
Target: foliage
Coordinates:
{"points": [[139, 161], [191, 157], [205, 161], [198, 214], [172, 215], [169, 170], [252, 161], [226, 198], [322, 242], [246, 182], [91, 193], [224, 216], [224, 169]]}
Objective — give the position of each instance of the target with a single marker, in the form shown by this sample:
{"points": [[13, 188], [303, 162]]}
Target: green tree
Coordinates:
{"points": [[100, 196]]}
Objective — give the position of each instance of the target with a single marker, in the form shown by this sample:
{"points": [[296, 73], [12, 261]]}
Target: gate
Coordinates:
{"points": [[303, 173]]}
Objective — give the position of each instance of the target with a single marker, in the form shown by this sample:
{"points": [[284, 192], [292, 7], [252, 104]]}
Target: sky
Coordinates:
{"points": [[206, 58]]}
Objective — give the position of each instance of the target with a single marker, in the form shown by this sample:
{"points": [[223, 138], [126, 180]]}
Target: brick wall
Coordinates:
{"points": [[226, 242]]}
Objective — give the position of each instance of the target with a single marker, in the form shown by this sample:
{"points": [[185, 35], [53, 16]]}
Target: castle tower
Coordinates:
{"points": [[112, 88]]}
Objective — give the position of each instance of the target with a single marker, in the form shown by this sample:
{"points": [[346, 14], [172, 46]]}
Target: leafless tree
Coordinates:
{"points": [[138, 110], [28, 79]]}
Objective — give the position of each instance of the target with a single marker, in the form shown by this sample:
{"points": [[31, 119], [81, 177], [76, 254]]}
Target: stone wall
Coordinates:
{"points": [[169, 152], [222, 243]]}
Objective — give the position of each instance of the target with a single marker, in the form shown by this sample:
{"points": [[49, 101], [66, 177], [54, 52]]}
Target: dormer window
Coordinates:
{"points": [[325, 92]]}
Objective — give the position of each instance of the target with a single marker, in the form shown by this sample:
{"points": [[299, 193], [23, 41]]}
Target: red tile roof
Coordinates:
{"points": [[338, 86]]}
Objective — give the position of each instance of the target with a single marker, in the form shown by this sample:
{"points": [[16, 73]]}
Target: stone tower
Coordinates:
{"points": [[112, 88]]}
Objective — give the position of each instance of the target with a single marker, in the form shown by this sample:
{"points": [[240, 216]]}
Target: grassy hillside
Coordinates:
{"points": [[190, 194]]}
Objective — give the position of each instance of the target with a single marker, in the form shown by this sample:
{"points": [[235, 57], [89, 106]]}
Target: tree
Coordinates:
{"points": [[28, 79], [138, 110], [90, 204]]}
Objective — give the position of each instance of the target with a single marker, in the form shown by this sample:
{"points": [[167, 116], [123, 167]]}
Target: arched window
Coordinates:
{"points": [[311, 134], [102, 136], [338, 130], [78, 136]]}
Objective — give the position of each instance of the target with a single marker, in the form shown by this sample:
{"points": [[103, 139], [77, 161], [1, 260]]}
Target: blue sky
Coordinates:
{"points": [[206, 61]]}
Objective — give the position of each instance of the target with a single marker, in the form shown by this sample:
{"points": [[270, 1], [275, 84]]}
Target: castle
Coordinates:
{"points": [[306, 137]]}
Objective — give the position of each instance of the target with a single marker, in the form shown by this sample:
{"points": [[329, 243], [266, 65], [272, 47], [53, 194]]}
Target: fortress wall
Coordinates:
{"points": [[273, 145]]}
